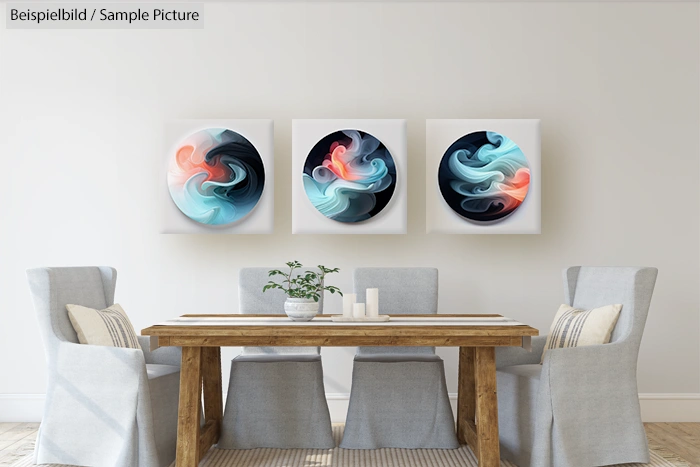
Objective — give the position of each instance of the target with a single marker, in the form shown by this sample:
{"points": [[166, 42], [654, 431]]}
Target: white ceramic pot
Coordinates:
{"points": [[301, 309]]}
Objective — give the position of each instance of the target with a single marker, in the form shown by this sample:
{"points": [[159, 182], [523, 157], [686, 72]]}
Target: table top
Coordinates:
{"points": [[281, 325]]}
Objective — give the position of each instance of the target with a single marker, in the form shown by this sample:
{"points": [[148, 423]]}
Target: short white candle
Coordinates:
{"points": [[349, 300], [372, 303], [358, 310]]}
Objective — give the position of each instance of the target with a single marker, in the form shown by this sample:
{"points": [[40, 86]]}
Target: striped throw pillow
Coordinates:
{"points": [[573, 327], [109, 327]]}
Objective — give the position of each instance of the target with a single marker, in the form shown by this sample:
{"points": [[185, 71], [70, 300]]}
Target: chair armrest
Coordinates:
{"points": [[579, 366], [509, 356], [592, 390], [92, 398], [597, 377], [84, 355], [162, 355], [95, 372]]}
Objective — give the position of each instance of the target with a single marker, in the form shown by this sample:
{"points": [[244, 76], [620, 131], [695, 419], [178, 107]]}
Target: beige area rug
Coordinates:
{"points": [[359, 458]]}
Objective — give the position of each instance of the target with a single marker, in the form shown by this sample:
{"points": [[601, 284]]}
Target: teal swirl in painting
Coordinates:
{"points": [[216, 176], [484, 176], [349, 176]]}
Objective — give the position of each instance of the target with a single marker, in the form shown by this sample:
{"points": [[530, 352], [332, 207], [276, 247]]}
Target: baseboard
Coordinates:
{"points": [[670, 407], [21, 407], [656, 407]]}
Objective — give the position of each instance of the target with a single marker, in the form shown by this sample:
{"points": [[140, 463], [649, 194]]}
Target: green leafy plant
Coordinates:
{"points": [[307, 284]]}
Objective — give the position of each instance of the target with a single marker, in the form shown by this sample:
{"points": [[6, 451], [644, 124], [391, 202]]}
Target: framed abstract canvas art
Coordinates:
{"points": [[483, 176], [218, 177], [349, 176]]}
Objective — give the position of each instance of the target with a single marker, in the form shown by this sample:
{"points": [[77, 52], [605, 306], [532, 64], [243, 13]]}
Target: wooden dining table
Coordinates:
{"points": [[202, 336]]}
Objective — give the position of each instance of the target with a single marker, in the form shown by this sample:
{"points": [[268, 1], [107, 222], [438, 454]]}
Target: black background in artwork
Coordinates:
{"points": [[471, 142], [235, 146], [321, 149]]}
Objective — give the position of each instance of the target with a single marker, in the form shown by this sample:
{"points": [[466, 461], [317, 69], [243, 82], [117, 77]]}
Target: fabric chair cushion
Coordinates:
{"points": [[109, 327], [574, 327]]}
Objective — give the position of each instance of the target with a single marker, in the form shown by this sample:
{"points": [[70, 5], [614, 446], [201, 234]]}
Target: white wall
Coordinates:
{"points": [[616, 87]]}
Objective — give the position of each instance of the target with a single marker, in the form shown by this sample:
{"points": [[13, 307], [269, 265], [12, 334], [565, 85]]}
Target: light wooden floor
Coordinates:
{"points": [[682, 439]]}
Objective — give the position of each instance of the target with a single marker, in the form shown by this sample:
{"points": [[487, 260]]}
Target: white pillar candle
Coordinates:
{"points": [[349, 300], [372, 303], [358, 310]]}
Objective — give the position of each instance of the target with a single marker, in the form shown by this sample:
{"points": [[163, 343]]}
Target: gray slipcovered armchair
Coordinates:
{"points": [[399, 396], [276, 396], [105, 406], [580, 408]]}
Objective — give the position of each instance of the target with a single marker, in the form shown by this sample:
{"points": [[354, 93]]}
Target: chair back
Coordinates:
{"points": [[252, 300], [402, 291], [592, 287], [54, 288]]}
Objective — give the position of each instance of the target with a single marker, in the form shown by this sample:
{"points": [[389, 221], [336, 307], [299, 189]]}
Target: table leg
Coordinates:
{"points": [[466, 398], [188, 430], [213, 400], [487, 407], [477, 404]]}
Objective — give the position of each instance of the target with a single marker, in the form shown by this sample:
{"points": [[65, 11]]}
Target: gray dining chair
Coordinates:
{"points": [[276, 396], [399, 395], [580, 407], [105, 406]]}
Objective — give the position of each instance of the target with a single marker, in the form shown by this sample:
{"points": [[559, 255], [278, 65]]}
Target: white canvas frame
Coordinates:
{"points": [[261, 219], [440, 218], [305, 217]]}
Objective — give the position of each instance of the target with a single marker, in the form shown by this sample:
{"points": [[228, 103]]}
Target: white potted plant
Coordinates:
{"points": [[303, 289]]}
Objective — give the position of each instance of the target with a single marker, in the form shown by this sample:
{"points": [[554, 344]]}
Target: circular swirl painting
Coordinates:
{"points": [[484, 176], [349, 176], [216, 176]]}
